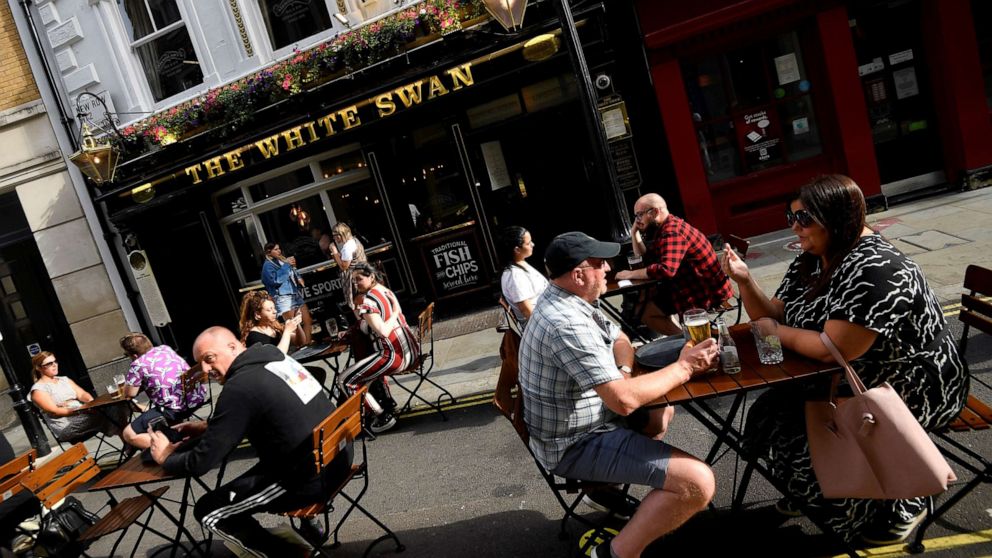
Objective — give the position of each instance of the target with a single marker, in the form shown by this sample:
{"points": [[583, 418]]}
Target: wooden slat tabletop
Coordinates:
{"points": [[133, 472], [101, 401], [753, 374]]}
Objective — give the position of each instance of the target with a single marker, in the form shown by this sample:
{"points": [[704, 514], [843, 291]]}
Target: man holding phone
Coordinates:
{"points": [[158, 372], [273, 401]]}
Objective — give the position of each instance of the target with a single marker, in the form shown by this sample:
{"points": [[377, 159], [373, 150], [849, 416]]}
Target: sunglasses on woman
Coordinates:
{"points": [[804, 218]]}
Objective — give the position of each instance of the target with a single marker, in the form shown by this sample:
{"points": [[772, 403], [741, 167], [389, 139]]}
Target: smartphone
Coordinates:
{"points": [[158, 424]]}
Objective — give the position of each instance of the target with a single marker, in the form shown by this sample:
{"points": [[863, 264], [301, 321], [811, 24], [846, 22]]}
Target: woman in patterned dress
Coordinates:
{"points": [[58, 396], [394, 345], [877, 307]]}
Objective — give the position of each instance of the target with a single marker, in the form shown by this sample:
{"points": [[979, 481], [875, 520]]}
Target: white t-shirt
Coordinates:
{"points": [[348, 250], [522, 282]]}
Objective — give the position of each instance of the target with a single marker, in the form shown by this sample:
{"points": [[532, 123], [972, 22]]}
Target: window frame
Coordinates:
{"points": [[320, 186], [771, 104], [252, 9], [138, 69]]}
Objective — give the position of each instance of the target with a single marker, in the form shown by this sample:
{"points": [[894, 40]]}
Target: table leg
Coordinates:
{"points": [[614, 313], [735, 407], [180, 523], [731, 437]]}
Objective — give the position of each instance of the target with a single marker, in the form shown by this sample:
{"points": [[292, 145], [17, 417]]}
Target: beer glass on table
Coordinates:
{"points": [[697, 323], [119, 380]]}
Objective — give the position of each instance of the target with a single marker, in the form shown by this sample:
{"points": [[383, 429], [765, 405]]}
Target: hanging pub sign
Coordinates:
{"points": [[760, 137], [380, 106]]}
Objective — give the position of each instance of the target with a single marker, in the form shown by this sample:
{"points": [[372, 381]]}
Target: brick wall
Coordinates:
{"points": [[17, 85]]}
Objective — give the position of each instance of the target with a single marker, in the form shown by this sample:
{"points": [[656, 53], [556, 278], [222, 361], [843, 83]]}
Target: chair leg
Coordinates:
{"points": [[422, 378]]}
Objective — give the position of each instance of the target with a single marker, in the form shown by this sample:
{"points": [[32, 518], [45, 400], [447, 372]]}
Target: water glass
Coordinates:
{"points": [[331, 326], [765, 331], [697, 324], [112, 391]]}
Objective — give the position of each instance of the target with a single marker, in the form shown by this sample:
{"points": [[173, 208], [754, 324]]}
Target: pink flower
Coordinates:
{"points": [[287, 82]]}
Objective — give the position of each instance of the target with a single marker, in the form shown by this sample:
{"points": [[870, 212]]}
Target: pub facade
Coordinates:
{"points": [[425, 126]]}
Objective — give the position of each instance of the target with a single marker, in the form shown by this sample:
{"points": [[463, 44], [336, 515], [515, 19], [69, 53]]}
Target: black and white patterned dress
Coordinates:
{"points": [[877, 287]]}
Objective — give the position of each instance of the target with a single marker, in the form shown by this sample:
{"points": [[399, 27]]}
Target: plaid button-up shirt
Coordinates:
{"points": [[680, 254], [565, 352]]}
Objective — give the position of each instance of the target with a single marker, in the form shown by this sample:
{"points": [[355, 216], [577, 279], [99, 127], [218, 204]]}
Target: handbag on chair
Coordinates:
{"points": [[61, 527], [871, 445]]}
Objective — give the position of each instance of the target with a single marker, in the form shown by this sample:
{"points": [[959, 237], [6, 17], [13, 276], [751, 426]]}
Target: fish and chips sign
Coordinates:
{"points": [[378, 107]]}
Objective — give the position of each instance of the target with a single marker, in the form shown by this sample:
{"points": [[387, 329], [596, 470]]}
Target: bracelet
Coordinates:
{"points": [[624, 368]]}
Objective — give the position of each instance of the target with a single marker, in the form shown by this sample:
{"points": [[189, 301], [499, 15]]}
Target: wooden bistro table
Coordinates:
{"points": [[696, 395], [137, 474], [101, 402]]}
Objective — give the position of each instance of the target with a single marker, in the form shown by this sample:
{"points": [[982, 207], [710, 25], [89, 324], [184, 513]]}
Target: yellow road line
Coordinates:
{"points": [[939, 543], [462, 403]]}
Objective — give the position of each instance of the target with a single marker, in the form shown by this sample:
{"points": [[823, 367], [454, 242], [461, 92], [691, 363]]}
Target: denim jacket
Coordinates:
{"points": [[277, 278]]}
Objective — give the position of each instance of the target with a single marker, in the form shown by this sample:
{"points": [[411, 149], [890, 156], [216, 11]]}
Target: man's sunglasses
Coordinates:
{"points": [[804, 217]]}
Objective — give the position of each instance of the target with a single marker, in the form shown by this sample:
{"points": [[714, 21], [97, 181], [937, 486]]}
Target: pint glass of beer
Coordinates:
{"points": [[697, 323], [119, 380]]}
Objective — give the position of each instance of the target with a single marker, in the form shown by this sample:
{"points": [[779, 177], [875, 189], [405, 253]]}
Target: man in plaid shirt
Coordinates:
{"points": [[679, 255], [575, 376]]}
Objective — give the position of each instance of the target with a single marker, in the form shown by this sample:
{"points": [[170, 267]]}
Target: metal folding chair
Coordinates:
{"points": [[422, 366], [508, 399], [330, 437]]}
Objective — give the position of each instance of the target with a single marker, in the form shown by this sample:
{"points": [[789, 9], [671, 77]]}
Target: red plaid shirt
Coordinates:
{"points": [[681, 256]]}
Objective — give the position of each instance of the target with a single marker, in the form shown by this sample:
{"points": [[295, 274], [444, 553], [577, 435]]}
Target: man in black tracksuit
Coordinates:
{"points": [[271, 400]]}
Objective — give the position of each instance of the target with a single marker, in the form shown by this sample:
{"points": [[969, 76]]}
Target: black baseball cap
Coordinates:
{"points": [[568, 250]]}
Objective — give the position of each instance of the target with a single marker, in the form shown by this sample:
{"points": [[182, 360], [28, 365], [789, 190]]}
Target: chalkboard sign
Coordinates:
{"points": [[454, 263]]}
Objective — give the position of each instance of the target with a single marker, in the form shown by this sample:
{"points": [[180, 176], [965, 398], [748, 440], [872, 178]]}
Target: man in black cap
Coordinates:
{"points": [[577, 388]]}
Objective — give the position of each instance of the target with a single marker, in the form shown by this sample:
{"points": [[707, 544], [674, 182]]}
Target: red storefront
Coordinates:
{"points": [[758, 96]]}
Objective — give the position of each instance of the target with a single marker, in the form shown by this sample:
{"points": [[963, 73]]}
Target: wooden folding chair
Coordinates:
{"points": [[739, 245], [15, 504], [976, 415], [191, 380], [63, 474], [423, 365], [330, 437], [508, 399]]}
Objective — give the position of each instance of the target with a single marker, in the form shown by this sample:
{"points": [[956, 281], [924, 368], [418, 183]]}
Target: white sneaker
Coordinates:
{"points": [[382, 423]]}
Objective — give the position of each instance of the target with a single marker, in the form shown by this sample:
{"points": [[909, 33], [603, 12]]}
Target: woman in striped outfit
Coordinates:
{"points": [[394, 344]]}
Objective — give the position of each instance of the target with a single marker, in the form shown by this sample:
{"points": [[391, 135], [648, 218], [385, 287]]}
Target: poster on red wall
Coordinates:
{"points": [[760, 136]]}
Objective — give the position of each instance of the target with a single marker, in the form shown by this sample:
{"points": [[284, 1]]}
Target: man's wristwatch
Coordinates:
{"points": [[624, 368]]}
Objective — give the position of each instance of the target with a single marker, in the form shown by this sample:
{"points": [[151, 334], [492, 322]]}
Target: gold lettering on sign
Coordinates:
{"points": [[385, 104], [410, 94], [268, 146], [437, 88], [234, 161], [214, 168], [461, 76], [294, 138], [350, 118], [194, 171], [328, 125]]}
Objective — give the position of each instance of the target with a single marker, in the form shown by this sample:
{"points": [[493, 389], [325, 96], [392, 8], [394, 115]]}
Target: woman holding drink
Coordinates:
{"points": [[877, 307]]}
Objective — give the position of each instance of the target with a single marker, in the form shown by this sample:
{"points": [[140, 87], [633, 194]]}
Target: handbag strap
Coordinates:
{"points": [[852, 377]]}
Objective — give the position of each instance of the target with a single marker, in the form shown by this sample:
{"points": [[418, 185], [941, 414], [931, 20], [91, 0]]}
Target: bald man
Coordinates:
{"points": [[679, 255], [273, 401]]}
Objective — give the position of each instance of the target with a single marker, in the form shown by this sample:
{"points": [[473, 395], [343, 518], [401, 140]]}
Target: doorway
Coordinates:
{"points": [[31, 318], [894, 76]]}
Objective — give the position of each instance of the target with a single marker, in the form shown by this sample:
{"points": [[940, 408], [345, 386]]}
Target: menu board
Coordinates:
{"points": [[759, 135]]}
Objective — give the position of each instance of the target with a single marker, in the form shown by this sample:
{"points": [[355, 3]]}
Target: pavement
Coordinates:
{"points": [[467, 486]]}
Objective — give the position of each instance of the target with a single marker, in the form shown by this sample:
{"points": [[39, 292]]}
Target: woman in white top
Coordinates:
{"points": [[346, 251], [521, 283]]}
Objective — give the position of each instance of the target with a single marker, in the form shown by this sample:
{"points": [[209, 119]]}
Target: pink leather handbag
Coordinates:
{"points": [[871, 446]]}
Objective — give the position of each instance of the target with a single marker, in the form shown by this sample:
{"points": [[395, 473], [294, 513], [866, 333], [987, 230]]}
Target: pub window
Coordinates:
{"points": [[290, 205], [290, 21], [752, 108], [161, 42], [981, 14]]}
